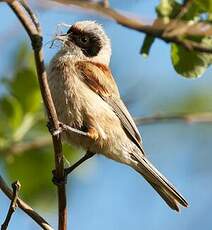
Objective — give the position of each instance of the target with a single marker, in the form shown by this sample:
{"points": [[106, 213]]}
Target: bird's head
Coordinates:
{"points": [[87, 41]]}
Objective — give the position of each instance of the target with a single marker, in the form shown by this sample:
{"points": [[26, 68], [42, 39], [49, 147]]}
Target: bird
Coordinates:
{"points": [[87, 99]]}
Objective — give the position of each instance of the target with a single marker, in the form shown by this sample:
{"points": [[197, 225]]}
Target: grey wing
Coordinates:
{"points": [[126, 120]]}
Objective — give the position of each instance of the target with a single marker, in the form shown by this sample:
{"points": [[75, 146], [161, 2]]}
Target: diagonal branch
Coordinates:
{"points": [[31, 14], [16, 188], [41, 142], [25, 207], [19, 148], [205, 117], [158, 28], [31, 25]]}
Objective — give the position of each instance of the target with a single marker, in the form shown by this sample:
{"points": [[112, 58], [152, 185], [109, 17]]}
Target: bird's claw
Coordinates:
{"points": [[59, 181], [53, 131]]}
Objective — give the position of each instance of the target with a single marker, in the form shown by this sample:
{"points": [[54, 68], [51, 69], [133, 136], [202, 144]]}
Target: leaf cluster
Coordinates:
{"points": [[188, 63]]}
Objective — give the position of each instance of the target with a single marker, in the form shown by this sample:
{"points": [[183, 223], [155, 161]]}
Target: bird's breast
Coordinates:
{"points": [[78, 106], [64, 85]]}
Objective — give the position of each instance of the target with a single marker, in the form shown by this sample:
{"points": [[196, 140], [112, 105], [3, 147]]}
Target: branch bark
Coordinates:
{"points": [[205, 117], [19, 148], [16, 188], [32, 27], [36, 144], [24, 206], [159, 29]]}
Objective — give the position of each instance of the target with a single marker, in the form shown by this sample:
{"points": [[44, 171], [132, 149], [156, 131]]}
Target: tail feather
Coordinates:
{"points": [[172, 203], [165, 189]]}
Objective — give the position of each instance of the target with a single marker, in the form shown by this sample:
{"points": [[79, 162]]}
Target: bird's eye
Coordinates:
{"points": [[84, 40]]}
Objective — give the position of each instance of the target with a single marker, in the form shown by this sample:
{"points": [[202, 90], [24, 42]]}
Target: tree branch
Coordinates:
{"points": [[159, 29], [31, 25], [16, 188], [18, 148], [25, 207], [205, 117], [184, 8]]}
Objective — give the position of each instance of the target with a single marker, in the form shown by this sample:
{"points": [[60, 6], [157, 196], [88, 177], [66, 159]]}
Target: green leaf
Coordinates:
{"points": [[170, 9], [164, 8], [24, 57], [147, 44], [210, 17], [24, 87], [27, 123], [167, 9], [193, 12], [12, 113], [205, 5], [33, 169], [190, 64]]}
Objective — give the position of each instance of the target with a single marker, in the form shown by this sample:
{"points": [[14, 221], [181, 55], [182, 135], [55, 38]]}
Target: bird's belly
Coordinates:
{"points": [[79, 107]]}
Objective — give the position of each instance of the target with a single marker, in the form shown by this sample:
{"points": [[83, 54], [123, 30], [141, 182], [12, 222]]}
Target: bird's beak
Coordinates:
{"points": [[61, 37]]}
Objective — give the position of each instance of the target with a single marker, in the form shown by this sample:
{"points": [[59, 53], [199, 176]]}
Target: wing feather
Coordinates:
{"points": [[93, 75]]}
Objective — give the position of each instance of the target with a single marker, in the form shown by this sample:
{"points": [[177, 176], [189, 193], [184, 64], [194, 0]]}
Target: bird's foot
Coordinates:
{"points": [[87, 156], [52, 130], [68, 128], [59, 181], [64, 127]]}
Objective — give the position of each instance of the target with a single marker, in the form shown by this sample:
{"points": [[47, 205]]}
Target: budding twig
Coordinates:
{"points": [[16, 188], [24, 206], [205, 117]]}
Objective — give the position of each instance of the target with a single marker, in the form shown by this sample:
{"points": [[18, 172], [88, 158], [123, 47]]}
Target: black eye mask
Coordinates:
{"points": [[89, 42]]}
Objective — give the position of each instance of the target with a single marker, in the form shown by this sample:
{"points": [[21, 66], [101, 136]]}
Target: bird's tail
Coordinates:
{"points": [[165, 189]]}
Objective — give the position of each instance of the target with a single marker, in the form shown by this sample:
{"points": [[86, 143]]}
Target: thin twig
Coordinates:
{"points": [[157, 29], [18, 148], [173, 28], [184, 9], [205, 117], [16, 188], [24, 206], [33, 30], [31, 14]]}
